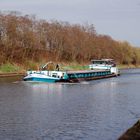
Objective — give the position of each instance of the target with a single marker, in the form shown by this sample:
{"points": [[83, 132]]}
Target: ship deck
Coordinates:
{"points": [[85, 71]]}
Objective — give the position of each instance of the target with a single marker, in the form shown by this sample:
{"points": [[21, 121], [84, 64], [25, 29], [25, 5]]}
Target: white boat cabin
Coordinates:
{"points": [[104, 64]]}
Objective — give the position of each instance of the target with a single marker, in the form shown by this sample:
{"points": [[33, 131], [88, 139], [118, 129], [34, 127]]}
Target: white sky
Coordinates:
{"points": [[119, 19]]}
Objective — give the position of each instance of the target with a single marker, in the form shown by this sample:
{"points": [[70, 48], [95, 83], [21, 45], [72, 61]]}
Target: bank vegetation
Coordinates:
{"points": [[25, 39]]}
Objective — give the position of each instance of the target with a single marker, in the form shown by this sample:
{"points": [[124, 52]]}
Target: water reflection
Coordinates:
{"points": [[48, 88], [11, 79]]}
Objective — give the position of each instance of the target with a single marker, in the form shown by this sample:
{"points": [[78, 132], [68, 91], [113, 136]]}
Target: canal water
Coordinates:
{"points": [[95, 110]]}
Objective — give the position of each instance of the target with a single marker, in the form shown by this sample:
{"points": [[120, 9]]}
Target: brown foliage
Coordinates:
{"points": [[25, 38]]}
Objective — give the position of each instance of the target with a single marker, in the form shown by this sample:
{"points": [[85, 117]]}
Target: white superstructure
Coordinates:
{"points": [[104, 64]]}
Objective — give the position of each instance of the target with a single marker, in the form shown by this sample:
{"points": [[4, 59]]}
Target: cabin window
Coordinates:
{"points": [[54, 75]]}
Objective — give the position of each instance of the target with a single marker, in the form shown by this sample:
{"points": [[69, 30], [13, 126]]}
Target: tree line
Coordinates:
{"points": [[24, 38]]}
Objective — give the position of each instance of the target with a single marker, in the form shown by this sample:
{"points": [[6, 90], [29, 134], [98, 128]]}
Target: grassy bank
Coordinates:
{"points": [[11, 68], [128, 66], [16, 68], [73, 66]]}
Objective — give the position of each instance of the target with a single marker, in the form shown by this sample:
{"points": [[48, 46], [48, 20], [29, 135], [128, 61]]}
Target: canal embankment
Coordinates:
{"points": [[11, 74], [132, 133], [9, 70]]}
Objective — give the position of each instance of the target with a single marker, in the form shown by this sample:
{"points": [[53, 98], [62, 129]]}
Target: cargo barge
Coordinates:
{"points": [[99, 69], [77, 76]]}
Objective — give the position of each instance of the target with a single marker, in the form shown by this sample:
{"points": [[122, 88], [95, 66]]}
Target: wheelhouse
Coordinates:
{"points": [[110, 62]]}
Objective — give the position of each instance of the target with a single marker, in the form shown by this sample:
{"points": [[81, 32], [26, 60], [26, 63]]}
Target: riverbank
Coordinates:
{"points": [[10, 70], [128, 66], [132, 133], [19, 70], [11, 74], [15, 68]]}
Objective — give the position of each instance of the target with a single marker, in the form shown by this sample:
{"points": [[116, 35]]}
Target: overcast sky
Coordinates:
{"points": [[119, 19]]}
